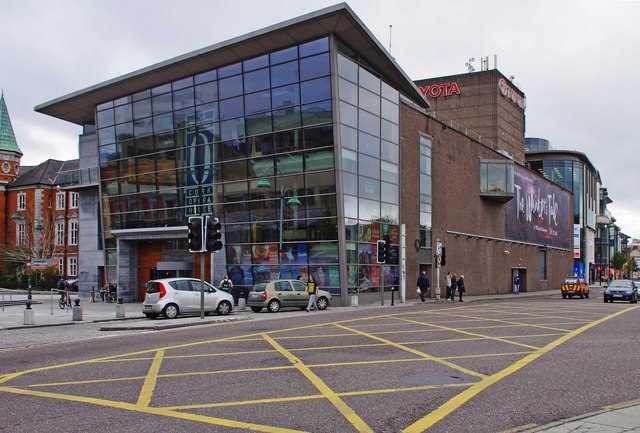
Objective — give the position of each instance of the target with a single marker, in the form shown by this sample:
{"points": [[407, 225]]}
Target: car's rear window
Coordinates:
{"points": [[153, 287], [259, 287]]}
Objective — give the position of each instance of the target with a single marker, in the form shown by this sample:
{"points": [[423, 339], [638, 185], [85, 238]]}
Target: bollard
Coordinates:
{"points": [[392, 291], [77, 310], [120, 309], [354, 300], [241, 304], [28, 318]]}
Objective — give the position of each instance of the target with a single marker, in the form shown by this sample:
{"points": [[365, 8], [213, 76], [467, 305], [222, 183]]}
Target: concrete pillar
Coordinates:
{"points": [[77, 310], [29, 318], [241, 304]]}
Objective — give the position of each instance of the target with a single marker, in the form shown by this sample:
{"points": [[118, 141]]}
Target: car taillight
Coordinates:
{"points": [[264, 295], [163, 291]]}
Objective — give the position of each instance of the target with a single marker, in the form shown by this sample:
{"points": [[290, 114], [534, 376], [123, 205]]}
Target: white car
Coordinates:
{"points": [[177, 296]]}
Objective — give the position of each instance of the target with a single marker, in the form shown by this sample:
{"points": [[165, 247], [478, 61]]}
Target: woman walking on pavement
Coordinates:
{"points": [[454, 286], [461, 288], [312, 289]]}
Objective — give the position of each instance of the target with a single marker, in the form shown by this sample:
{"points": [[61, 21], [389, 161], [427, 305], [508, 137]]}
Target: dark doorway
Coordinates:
{"points": [[522, 272]]}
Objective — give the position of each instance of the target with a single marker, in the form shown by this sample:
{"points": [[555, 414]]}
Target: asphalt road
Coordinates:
{"points": [[451, 367]]}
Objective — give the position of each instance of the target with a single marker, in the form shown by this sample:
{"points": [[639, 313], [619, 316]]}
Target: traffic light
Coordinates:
{"points": [[213, 235], [387, 249], [196, 231], [443, 257], [380, 252]]}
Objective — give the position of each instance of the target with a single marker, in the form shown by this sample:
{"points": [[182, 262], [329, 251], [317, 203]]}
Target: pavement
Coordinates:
{"points": [[112, 317]]}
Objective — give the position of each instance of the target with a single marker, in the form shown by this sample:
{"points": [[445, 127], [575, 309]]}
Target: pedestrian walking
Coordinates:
{"points": [[312, 289], [461, 288], [454, 286], [516, 285], [447, 284], [423, 285]]}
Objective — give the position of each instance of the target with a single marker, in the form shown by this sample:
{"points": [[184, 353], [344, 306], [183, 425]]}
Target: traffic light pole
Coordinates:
{"points": [[202, 285]]}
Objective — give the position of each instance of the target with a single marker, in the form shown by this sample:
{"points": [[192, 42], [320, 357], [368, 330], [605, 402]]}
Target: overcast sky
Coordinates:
{"points": [[577, 62]]}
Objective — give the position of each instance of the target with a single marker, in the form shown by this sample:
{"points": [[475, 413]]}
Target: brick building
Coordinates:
{"points": [[39, 220], [317, 107]]}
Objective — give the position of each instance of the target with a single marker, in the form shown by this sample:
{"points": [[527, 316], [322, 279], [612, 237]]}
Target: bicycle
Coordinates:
{"points": [[65, 300]]}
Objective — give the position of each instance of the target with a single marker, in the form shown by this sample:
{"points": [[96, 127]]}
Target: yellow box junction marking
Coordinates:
{"points": [[157, 355]]}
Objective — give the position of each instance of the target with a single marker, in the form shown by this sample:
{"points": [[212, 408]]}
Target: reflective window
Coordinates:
{"points": [[142, 108], [230, 87], [207, 92], [257, 102], [257, 80], [315, 90], [256, 63], [314, 67], [316, 113], [314, 47], [286, 73], [123, 113], [230, 70], [285, 96], [105, 118], [284, 55], [230, 108]]}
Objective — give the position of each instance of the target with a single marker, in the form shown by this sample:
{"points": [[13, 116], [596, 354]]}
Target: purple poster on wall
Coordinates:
{"points": [[540, 212]]}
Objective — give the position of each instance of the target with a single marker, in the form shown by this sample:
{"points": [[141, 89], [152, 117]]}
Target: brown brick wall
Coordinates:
{"points": [[458, 206]]}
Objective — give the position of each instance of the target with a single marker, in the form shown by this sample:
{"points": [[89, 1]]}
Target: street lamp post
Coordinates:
{"points": [[38, 227], [293, 201]]}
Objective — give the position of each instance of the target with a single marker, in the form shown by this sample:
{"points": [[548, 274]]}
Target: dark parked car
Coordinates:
{"points": [[621, 290]]}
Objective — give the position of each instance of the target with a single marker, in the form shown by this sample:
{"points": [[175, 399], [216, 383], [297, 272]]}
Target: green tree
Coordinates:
{"points": [[618, 261], [631, 266]]}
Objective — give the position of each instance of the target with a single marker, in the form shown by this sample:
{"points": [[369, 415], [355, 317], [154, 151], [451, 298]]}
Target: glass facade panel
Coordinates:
{"points": [[219, 133]]}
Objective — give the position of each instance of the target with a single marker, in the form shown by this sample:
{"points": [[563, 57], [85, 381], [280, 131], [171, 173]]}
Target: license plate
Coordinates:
{"points": [[147, 307], [617, 296]]}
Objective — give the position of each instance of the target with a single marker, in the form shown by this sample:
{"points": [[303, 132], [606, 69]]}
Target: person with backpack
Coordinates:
{"points": [[225, 284]]}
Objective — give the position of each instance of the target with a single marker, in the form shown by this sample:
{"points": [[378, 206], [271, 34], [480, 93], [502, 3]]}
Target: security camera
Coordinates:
{"points": [[506, 252]]}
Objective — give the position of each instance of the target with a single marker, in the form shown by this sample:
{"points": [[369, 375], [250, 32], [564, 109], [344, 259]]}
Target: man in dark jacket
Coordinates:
{"points": [[423, 285]]}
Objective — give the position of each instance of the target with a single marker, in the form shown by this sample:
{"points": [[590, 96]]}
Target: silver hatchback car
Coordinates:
{"points": [[175, 296]]}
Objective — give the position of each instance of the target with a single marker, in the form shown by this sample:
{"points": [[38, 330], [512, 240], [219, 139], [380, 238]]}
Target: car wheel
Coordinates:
{"points": [[151, 315], [581, 296], [564, 296], [170, 311], [273, 306], [256, 309], [587, 295], [224, 308], [605, 300], [322, 303]]}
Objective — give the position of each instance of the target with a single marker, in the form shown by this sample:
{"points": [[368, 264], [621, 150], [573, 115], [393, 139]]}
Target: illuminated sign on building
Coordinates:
{"points": [[444, 89], [510, 93]]}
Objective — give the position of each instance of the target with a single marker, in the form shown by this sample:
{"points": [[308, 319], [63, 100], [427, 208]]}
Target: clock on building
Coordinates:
{"points": [[6, 167]]}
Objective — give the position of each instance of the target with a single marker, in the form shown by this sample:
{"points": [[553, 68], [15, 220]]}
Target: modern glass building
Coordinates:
{"points": [[235, 131], [573, 171]]}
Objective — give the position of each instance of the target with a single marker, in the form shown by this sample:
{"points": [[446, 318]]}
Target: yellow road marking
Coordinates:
{"points": [[144, 399], [424, 423], [416, 352], [151, 410], [520, 428], [327, 392], [316, 396], [486, 337]]}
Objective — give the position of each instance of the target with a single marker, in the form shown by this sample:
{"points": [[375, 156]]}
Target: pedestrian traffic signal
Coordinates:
{"points": [[387, 249], [443, 257], [380, 252], [195, 236], [213, 235]]}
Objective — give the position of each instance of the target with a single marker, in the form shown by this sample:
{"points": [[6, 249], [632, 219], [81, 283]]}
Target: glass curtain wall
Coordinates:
{"points": [[369, 135], [426, 200], [200, 145]]}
